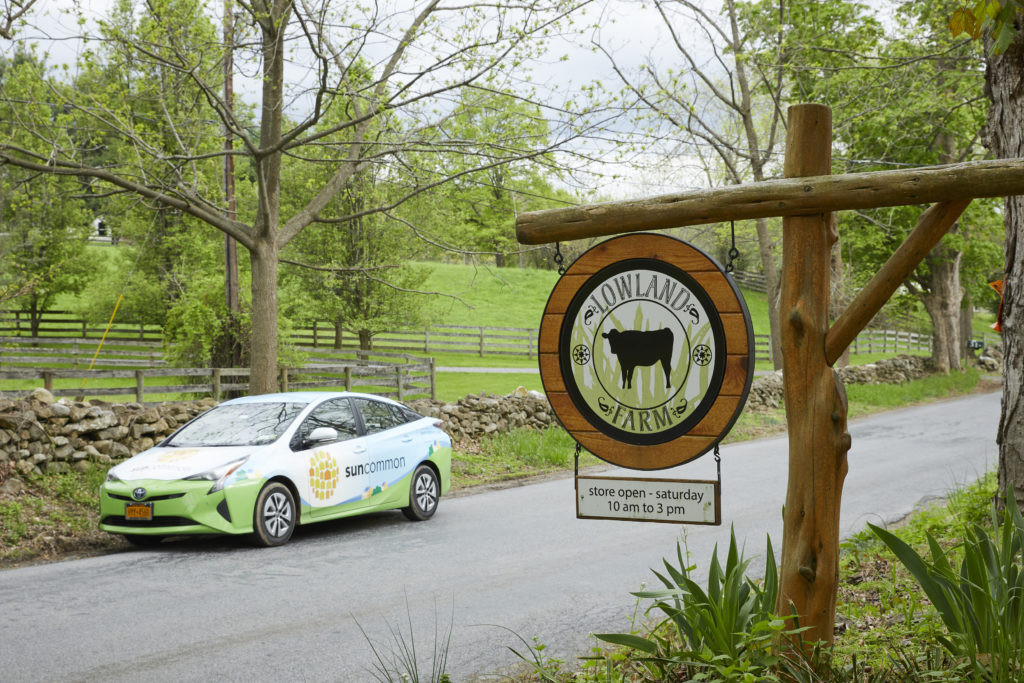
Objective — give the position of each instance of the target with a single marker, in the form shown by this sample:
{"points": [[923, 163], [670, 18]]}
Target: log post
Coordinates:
{"points": [[815, 399]]}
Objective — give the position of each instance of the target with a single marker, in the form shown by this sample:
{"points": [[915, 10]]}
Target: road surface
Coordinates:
{"points": [[494, 566]]}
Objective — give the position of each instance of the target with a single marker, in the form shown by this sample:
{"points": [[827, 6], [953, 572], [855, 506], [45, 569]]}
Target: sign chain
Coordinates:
{"points": [[734, 253], [718, 466], [560, 261], [576, 460]]}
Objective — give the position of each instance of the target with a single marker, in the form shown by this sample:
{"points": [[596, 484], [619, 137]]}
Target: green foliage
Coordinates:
{"points": [[981, 604], [997, 17], [725, 632], [399, 662]]}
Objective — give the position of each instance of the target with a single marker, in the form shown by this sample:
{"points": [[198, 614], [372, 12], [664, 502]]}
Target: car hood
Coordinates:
{"points": [[178, 462]]}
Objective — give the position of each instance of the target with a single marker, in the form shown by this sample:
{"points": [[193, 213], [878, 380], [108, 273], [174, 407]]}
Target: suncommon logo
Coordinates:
{"points": [[642, 350]]}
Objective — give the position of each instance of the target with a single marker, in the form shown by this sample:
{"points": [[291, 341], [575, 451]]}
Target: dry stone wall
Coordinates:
{"points": [[40, 434]]}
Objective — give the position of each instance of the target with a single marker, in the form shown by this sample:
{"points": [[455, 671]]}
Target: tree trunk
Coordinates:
{"points": [[966, 330], [365, 340], [766, 250], [1004, 81], [263, 363], [942, 301], [338, 332]]}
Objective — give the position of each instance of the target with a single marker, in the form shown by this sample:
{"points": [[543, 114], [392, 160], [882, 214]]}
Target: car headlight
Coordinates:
{"points": [[218, 474]]}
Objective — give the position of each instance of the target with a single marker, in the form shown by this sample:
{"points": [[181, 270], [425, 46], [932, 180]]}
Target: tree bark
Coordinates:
{"points": [[1004, 83], [338, 331], [263, 363], [766, 250], [942, 299]]}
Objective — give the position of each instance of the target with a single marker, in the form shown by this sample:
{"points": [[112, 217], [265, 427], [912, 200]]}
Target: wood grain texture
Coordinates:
{"points": [[815, 400], [791, 196], [738, 361]]}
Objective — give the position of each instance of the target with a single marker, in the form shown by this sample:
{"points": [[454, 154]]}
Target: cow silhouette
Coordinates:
{"points": [[638, 347]]}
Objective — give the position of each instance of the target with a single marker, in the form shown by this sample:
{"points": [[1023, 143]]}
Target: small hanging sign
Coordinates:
{"points": [[648, 500], [646, 351]]}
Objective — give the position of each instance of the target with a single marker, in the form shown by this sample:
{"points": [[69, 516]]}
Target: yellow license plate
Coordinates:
{"points": [[140, 511]]}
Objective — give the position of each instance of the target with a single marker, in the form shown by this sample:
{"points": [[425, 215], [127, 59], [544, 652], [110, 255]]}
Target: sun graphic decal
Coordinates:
{"points": [[323, 475], [177, 455]]}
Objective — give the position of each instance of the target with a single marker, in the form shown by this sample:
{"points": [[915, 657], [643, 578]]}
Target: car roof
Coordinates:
{"points": [[306, 397]]}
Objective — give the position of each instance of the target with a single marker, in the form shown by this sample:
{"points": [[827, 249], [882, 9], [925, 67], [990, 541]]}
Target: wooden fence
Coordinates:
{"points": [[139, 346], [67, 324], [483, 341], [66, 372]]}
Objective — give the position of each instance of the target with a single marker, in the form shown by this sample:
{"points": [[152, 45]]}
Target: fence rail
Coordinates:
{"points": [[507, 341], [67, 324], [395, 381], [318, 341]]}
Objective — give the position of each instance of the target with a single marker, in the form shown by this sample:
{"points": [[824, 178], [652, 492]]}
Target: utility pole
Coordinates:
{"points": [[230, 247]]}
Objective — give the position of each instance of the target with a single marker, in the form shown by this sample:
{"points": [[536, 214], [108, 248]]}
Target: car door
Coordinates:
{"points": [[330, 471], [389, 453]]}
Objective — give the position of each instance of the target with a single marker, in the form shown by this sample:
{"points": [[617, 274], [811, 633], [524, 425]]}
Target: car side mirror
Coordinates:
{"points": [[321, 434]]}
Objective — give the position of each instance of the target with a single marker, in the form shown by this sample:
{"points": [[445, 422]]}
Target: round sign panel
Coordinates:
{"points": [[646, 351]]}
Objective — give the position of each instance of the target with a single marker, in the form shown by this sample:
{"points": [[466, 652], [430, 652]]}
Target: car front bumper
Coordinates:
{"points": [[180, 507]]}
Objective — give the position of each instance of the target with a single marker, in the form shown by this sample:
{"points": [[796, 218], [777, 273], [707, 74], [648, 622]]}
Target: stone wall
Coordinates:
{"points": [[38, 433]]}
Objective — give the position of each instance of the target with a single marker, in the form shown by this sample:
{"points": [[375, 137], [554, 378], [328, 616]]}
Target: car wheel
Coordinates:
{"points": [[424, 493], [273, 518], [143, 541]]}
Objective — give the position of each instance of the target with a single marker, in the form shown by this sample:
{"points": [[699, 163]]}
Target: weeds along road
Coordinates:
{"points": [[492, 565]]}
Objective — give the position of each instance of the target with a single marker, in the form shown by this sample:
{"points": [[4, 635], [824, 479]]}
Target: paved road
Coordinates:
{"points": [[217, 610]]}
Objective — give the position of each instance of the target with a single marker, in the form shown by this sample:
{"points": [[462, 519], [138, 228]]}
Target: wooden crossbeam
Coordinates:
{"points": [[786, 197]]}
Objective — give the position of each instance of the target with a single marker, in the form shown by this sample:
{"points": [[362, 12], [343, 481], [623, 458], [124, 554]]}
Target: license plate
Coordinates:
{"points": [[140, 511]]}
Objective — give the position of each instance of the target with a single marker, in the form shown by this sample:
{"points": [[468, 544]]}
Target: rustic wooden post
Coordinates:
{"points": [[398, 383], [481, 342], [815, 399], [48, 380], [215, 383], [284, 379], [140, 391], [433, 380], [348, 378]]}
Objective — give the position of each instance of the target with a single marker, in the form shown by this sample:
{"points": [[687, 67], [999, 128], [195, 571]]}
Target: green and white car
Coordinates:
{"points": [[261, 465]]}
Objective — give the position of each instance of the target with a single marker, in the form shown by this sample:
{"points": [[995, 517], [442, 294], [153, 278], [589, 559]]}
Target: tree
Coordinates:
{"points": [[45, 226], [418, 59], [1002, 23], [723, 102], [11, 13], [893, 122]]}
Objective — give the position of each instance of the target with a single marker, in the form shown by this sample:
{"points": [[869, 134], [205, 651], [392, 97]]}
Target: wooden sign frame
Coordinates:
{"points": [[719, 407]]}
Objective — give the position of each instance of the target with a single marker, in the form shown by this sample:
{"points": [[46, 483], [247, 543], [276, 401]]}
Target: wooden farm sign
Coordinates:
{"points": [[646, 351], [815, 400]]}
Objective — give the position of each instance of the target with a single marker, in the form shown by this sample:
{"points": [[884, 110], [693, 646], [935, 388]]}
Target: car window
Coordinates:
{"points": [[377, 415], [237, 424], [336, 413]]}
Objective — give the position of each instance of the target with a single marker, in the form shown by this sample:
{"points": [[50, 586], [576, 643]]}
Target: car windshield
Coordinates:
{"points": [[238, 424]]}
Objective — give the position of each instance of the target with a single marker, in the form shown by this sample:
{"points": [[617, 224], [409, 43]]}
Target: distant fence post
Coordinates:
{"points": [[316, 324], [426, 341], [140, 390], [48, 380], [215, 383], [433, 379], [398, 383], [481, 342], [284, 379], [348, 378]]}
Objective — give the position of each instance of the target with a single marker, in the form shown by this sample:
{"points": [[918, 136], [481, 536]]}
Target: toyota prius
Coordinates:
{"points": [[262, 465]]}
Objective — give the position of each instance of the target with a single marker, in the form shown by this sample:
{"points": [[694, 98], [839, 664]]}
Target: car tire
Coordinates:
{"points": [[143, 541], [274, 516], [424, 494]]}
